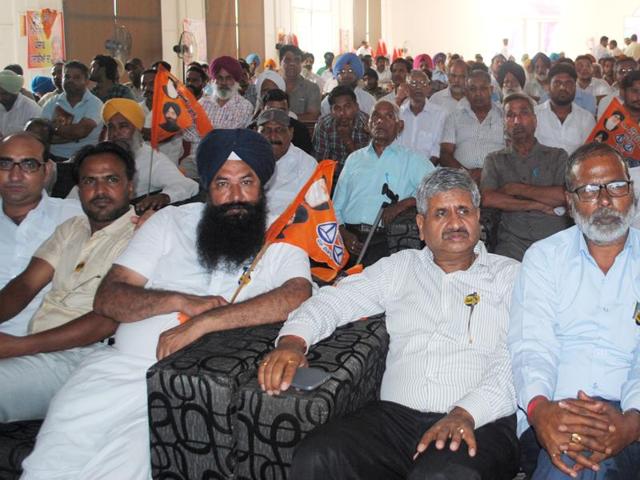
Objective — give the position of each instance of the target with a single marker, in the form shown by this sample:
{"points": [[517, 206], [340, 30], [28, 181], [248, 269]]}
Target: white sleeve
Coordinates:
{"points": [[166, 176]]}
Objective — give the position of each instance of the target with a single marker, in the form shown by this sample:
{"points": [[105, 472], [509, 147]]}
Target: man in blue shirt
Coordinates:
{"points": [[575, 329], [75, 114], [358, 196]]}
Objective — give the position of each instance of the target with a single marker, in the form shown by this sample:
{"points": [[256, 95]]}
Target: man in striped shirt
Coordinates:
{"points": [[447, 399]]}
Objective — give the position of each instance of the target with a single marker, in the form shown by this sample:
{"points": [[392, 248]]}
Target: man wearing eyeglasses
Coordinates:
{"points": [[423, 120], [64, 329], [348, 70], [623, 67], [28, 216], [575, 330]]}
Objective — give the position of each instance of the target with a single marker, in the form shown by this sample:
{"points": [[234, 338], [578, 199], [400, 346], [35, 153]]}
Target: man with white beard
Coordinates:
{"points": [[229, 109], [511, 78], [574, 333], [537, 86]]}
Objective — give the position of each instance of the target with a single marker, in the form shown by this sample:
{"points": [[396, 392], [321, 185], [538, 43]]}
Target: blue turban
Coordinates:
{"points": [[351, 59], [42, 85], [249, 146], [253, 57]]}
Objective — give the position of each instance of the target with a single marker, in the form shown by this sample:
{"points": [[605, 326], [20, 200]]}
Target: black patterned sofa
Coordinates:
{"points": [[210, 420]]}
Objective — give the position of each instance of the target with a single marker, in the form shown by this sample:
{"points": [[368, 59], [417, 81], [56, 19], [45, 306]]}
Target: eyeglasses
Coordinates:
{"points": [[415, 83], [27, 165], [591, 191]]}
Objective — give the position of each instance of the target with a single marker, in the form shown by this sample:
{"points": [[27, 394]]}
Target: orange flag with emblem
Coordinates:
{"points": [[309, 222], [617, 129], [174, 108]]}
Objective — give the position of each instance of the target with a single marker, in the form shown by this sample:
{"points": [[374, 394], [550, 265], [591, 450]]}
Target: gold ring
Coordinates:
{"points": [[291, 361], [554, 455], [461, 431], [575, 438], [264, 364]]}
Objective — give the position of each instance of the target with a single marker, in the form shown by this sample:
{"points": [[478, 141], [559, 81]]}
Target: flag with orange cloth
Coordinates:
{"points": [[174, 108], [616, 128], [310, 223], [381, 49]]}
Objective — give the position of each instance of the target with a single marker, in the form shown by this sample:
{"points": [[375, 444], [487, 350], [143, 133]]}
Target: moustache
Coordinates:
{"points": [[275, 142], [447, 234]]}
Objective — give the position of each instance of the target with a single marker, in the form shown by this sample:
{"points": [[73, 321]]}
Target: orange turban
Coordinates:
{"points": [[129, 109]]}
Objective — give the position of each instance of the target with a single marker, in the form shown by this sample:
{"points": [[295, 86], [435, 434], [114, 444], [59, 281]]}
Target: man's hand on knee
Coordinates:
{"points": [[457, 426], [278, 368]]}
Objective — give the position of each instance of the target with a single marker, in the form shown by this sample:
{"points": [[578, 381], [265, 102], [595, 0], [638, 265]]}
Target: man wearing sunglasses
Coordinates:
{"points": [[575, 330]]}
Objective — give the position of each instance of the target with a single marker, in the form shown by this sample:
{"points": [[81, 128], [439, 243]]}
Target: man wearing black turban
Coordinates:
{"points": [[173, 284], [511, 78]]}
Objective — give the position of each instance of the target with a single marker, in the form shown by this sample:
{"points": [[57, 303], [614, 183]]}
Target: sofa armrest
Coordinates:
{"points": [[270, 427]]}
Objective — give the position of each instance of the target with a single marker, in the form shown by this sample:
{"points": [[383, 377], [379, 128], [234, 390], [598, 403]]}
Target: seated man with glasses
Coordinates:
{"points": [[575, 330], [64, 329]]}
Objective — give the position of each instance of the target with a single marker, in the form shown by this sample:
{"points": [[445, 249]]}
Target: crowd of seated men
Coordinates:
{"points": [[518, 354]]}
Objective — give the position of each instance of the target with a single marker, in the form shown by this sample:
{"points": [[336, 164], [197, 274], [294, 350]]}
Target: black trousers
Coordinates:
{"points": [[379, 441]]}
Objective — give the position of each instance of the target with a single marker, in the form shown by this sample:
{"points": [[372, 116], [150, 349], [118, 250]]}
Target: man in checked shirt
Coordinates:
{"points": [[447, 398]]}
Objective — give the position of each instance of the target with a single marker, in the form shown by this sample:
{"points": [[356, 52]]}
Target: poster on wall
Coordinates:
{"points": [[45, 38], [198, 29]]}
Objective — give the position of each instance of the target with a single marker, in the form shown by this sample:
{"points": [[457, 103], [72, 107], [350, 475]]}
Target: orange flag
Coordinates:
{"points": [[174, 108], [617, 129], [381, 49], [310, 223]]}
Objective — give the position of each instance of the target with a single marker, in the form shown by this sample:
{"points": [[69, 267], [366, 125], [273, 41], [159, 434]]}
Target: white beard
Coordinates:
{"points": [[225, 93]]}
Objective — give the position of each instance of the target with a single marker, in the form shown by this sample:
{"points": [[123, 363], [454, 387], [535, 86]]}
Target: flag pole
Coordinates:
{"points": [[150, 170], [245, 278]]}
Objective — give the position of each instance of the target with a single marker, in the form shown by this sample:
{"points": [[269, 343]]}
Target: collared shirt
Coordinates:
{"points": [[78, 270], [358, 194], [442, 354], [47, 96], [597, 87], [569, 134], [439, 76], [327, 143], [384, 76], [474, 140], [535, 89], [365, 100], [14, 120], [606, 101], [292, 171], [304, 97], [235, 113], [423, 132], [59, 108], [572, 327], [117, 90], [444, 99], [164, 252], [543, 166], [18, 244]]}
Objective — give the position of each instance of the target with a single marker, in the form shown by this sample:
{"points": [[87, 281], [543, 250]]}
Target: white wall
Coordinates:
{"points": [[469, 27], [173, 14], [14, 46]]}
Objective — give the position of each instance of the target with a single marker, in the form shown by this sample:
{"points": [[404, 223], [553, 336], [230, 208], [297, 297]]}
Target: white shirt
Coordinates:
{"points": [[423, 132], [474, 140], [597, 87], [384, 76], [444, 99], [23, 110], [365, 100], [570, 134], [606, 101], [172, 148], [292, 171], [164, 251], [18, 243], [435, 361], [601, 52]]}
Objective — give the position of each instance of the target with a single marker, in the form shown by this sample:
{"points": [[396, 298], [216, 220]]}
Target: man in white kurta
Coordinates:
{"points": [[96, 426]]}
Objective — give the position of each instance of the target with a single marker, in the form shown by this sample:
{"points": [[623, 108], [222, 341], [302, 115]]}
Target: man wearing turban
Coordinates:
{"points": [[511, 78], [348, 69], [15, 108], [124, 119], [184, 259], [229, 109]]}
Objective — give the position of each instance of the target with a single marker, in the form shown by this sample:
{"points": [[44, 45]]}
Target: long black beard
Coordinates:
{"points": [[228, 240]]}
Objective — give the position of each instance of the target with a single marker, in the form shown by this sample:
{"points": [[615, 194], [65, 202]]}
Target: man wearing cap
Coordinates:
{"points": [[229, 109], [182, 260], [64, 329], [15, 108], [511, 78], [304, 96], [348, 70], [134, 68], [561, 122], [75, 114], [124, 119], [293, 165]]}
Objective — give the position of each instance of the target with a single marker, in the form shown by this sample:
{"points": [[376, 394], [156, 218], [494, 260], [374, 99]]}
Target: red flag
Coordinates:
{"points": [[174, 108], [381, 49], [616, 128], [310, 223]]}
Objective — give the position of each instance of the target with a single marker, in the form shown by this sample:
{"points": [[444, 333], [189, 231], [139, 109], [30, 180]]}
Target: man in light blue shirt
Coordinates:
{"points": [[75, 113], [575, 329], [358, 195]]}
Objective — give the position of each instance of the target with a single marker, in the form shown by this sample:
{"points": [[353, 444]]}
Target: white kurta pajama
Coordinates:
{"points": [[96, 426]]}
